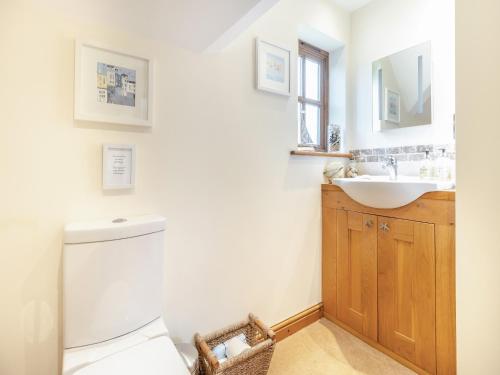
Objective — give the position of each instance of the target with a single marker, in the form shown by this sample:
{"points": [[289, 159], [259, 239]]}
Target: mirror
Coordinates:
{"points": [[402, 89]]}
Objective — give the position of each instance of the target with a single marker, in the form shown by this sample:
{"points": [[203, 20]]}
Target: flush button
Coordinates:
{"points": [[119, 220]]}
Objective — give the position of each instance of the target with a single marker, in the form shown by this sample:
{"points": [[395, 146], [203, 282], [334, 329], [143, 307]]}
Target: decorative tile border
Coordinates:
{"points": [[402, 153]]}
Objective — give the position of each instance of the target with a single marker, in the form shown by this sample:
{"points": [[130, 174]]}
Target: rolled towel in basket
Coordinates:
{"points": [[235, 346], [222, 351]]}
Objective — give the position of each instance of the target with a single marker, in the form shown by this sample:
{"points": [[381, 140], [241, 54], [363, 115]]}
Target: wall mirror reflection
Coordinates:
{"points": [[402, 89]]}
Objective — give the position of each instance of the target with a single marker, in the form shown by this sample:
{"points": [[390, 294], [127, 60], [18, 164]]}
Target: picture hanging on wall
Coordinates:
{"points": [[112, 87], [118, 166], [392, 106], [273, 68]]}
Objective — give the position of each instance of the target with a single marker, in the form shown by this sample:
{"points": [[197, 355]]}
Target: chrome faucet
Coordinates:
{"points": [[392, 163]]}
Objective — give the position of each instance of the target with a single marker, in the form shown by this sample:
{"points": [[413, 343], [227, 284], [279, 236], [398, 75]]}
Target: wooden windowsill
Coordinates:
{"points": [[322, 154]]}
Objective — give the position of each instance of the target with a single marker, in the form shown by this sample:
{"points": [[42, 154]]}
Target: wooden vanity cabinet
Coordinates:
{"points": [[388, 276]]}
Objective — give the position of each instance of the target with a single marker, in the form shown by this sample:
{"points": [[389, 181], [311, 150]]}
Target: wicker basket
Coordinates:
{"points": [[254, 361]]}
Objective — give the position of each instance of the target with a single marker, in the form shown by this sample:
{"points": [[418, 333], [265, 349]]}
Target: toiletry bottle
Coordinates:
{"points": [[352, 169], [425, 169], [442, 166]]}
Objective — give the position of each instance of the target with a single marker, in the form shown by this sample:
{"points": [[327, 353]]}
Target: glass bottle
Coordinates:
{"points": [[426, 167]]}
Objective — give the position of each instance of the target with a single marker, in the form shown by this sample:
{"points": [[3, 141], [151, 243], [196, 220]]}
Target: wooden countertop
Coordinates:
{"points": [[443, 195], [322, 154]]}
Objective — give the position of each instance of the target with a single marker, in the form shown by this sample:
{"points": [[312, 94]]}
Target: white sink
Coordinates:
{"points": [[381, 192]]}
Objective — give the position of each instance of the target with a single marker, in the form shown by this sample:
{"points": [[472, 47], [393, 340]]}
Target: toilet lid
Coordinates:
{"points": [[153, 357]]}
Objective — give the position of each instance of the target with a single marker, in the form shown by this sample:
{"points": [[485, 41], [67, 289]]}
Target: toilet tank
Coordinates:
{"points": [[112, 277]]}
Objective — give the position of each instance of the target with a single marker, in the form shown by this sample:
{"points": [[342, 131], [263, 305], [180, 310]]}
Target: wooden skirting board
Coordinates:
{"points": [[297, 322]]}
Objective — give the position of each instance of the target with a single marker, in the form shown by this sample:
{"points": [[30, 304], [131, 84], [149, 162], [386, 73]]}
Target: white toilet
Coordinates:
{"points": [[113, 277]]}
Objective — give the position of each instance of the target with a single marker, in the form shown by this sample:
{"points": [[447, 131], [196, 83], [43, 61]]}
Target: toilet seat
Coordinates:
{"points": [[146, 351], [154, 357]]}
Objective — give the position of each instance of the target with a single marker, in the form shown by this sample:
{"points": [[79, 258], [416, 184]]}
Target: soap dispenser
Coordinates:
{"points": [[443, 166], [426, 167], [352, 170]]}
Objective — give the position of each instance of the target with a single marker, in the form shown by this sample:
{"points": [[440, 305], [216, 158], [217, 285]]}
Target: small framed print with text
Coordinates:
{"points": [[118, 166]]}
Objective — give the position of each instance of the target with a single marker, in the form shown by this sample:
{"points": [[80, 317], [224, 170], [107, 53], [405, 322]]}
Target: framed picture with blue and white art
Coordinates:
{"points": [[112, 87], [273, 68]]}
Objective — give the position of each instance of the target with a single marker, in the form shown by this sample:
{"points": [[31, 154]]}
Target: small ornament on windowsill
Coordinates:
{"points": [[334, 138]]}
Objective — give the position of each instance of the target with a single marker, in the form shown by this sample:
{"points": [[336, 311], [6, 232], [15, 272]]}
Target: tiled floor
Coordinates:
{"points": [[325, 349]]}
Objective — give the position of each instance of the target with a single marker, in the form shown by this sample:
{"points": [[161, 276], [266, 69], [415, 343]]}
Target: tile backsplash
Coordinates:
{"points": [[402, 153]]}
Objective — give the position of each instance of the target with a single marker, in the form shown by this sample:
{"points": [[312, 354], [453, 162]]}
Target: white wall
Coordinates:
{"points": [[243, 216], [478, 237], [382, 28]]}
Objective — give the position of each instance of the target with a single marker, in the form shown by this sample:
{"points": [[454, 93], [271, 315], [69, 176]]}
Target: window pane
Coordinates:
{"points": [[299, 78], [310, 129], [312, 79], [299, 120]]}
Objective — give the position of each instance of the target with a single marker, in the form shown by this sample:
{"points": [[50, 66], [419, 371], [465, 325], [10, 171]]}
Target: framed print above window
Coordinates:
{"points": [[112, 87], [273, 68]]}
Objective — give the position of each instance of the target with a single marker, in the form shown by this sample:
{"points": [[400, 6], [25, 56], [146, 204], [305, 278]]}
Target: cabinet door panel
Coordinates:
{"points": [[329, 262], [407, 290], [357, 271]]}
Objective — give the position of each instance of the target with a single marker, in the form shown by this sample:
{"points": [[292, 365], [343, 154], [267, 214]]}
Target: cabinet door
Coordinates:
{"points": [[357, 271], [407, 290]]}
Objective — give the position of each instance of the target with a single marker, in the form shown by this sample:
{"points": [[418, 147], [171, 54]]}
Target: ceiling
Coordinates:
{"points": [[193, 24], [351, 5], [198, 25]]}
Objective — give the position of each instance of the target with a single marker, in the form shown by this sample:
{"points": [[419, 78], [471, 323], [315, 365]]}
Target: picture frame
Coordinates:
{"points": [[273, 67], [392, 106], [118, 166], [113, 86]]}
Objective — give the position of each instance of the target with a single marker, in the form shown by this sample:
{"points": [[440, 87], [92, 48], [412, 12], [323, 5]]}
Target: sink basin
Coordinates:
{"points": [[381, 192]]}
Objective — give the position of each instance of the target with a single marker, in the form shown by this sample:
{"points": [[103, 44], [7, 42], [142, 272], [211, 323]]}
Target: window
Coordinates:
{"points": [[313, 96]]}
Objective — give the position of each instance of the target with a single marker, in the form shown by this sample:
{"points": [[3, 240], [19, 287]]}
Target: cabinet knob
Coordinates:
{"points": [[385, 227], [369, 223]]}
